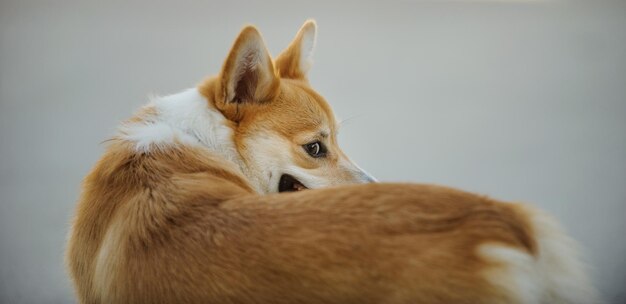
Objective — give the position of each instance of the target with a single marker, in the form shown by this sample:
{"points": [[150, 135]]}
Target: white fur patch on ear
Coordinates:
{"points": [[296, 60], [307, 45]]}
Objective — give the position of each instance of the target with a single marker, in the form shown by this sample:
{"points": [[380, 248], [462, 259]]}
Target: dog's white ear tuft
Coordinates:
{"points": [[296, 60], [248, 73], [307, 45]]}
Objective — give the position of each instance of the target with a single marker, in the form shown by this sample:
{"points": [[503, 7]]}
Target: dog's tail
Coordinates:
{"points": [[554, 274]]}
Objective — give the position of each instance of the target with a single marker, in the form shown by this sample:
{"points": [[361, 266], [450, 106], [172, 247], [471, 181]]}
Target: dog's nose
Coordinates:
{"points": [[359, 175], [367, 178], [371, 179]]}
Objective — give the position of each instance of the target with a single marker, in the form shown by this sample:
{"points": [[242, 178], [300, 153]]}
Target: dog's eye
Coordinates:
{"points": [[315, 149]]}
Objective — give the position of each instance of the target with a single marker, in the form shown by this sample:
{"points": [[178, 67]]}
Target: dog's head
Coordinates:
{"points": [[285, 133]]}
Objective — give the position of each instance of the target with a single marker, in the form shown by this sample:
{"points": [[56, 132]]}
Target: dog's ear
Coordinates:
{"points": [[248, 75], [295, 61]]}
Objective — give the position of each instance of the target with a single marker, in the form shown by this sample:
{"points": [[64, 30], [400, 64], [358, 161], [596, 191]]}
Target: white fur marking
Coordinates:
{"points": [[157, 134], [559, 261], [106, 262], [307, 45], [183, 118], [554, 276], [517, 275]]}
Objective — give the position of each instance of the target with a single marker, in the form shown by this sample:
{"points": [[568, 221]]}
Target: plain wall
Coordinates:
{"points": [[519, 100]]}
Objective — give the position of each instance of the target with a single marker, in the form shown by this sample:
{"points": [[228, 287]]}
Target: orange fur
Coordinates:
{"points": [[189, 231], [176, 225]]}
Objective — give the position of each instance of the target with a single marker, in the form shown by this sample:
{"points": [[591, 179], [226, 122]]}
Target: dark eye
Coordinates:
{"points": [[315, 149]]}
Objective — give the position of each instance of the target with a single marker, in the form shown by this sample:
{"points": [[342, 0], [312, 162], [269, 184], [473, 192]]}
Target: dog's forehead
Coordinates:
{"points": [[301, 109]]}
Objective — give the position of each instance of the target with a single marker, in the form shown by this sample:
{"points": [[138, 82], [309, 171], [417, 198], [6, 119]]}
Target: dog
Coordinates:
{"points": [[237, 192]]}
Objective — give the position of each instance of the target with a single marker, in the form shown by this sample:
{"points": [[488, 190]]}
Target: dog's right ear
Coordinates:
{"points": [[248, 75]]}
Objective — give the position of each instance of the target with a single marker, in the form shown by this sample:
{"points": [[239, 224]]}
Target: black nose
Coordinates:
{"points": [[368, 178]]}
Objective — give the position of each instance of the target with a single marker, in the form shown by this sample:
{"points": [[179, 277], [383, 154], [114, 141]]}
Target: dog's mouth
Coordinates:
{"points": [[289, 183]]}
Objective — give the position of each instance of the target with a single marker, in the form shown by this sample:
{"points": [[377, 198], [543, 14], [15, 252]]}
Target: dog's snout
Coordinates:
{"points": [[370, 179], [367, 178], [358, 175]]}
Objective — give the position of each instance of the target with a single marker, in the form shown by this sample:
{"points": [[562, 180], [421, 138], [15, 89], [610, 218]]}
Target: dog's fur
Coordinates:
{"points": [[180, 209]]}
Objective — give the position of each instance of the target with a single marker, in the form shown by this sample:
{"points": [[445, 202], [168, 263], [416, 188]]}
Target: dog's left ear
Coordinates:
{"points": [[295, 61]]}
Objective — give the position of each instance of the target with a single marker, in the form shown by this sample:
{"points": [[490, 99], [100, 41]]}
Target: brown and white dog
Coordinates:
{"points": [[181, 209]]}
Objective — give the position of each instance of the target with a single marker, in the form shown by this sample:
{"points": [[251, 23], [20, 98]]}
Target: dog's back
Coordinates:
{"points": [[200, 236]]}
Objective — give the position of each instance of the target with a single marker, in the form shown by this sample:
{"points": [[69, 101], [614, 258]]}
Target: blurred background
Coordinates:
{"points": [[520, 100]]}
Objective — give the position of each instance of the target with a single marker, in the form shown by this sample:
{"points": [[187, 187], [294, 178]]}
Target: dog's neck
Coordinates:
{"points": [[185, 118]]}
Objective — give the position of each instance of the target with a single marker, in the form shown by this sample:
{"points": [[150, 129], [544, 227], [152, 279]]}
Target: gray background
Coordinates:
{"points": [[520, 100]]}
